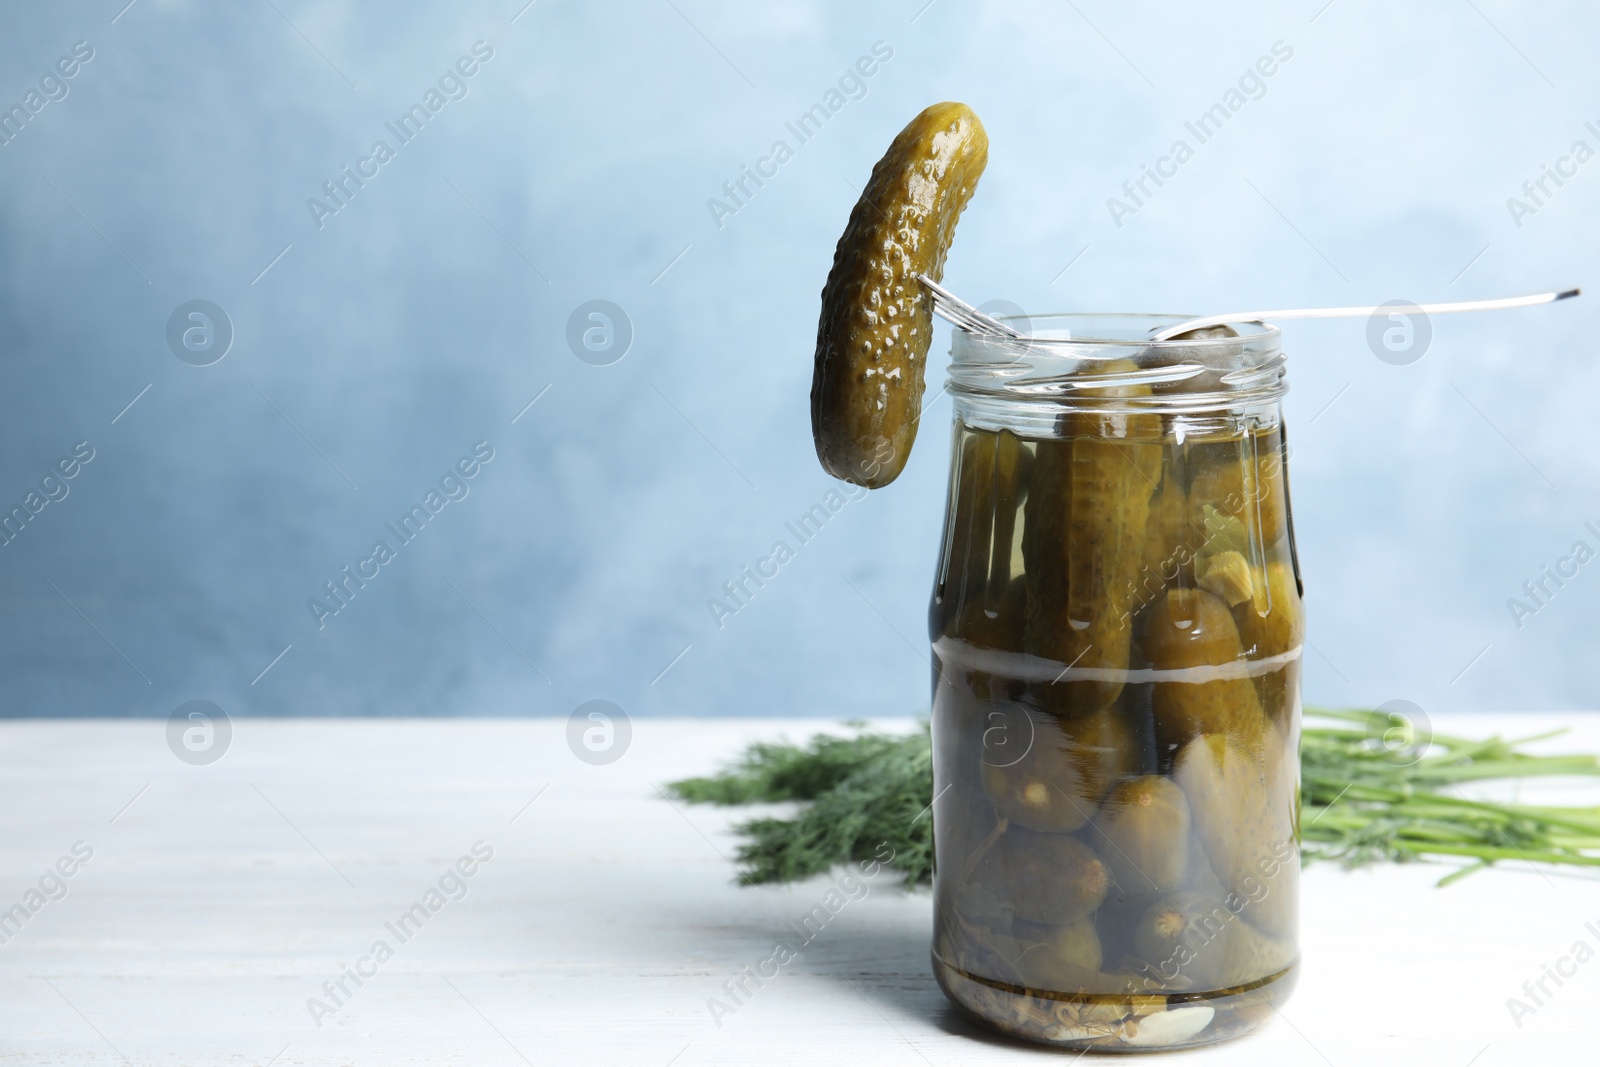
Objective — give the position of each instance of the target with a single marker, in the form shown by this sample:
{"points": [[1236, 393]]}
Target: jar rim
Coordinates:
{"points": [[1106, 360], [1247, 331]]}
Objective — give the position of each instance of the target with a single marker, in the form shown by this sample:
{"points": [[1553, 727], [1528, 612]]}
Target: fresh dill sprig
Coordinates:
{"points": [[868, 797], [773, 771]]}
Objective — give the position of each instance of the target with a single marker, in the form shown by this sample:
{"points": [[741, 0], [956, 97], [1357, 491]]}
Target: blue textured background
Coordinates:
{"points": [[432, 308]]}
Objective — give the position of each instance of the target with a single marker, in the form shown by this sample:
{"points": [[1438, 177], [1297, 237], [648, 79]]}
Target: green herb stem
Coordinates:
{"points": [[867, 797]]}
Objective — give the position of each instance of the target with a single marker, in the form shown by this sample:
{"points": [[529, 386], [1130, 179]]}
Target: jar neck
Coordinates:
{"points": [[1042, 419], [1102, 365]]}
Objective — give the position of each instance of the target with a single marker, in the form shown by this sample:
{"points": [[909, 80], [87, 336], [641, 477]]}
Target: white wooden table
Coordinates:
{"points": [[219, 899]]}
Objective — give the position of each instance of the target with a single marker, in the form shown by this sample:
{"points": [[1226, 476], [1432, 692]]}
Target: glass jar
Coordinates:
{"points": [[1116, 627]]}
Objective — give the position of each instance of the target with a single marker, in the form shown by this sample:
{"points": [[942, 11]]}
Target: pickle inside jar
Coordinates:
{"points": [[1150, 718]]}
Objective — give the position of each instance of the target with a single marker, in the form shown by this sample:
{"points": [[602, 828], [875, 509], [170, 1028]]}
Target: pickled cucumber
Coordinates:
{"points": [[876, 323], [1206, 333], [976, 568], [1193, 630], [1246, 481], [1042, 878], [1045, 520], [998, 627], [963, 823], [1245, 810], [1169, 543], [1144, 823], [1191, 940], [1181, 938], [1253, 955], [1229, 576], [983, 905], [1057, 956], [1083, 539], [1011, 466], [1272, 623], [970, 497], [1048, 774]]}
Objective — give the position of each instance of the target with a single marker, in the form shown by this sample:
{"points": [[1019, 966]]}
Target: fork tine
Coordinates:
{"points": [[952, 308]]}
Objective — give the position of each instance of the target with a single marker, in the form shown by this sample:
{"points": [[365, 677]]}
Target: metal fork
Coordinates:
{"points": [[952, 308]]}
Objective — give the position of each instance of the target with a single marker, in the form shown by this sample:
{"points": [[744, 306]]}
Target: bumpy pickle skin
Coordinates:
{"points": [[1170, 537], [1187, 629], [1244, 804], [1048, 775], [1083, 540], [1144, 823], [876, 324]]}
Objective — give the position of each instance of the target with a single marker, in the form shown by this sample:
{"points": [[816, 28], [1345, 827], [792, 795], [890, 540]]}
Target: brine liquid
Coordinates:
{"points": [[1116, 630]]}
